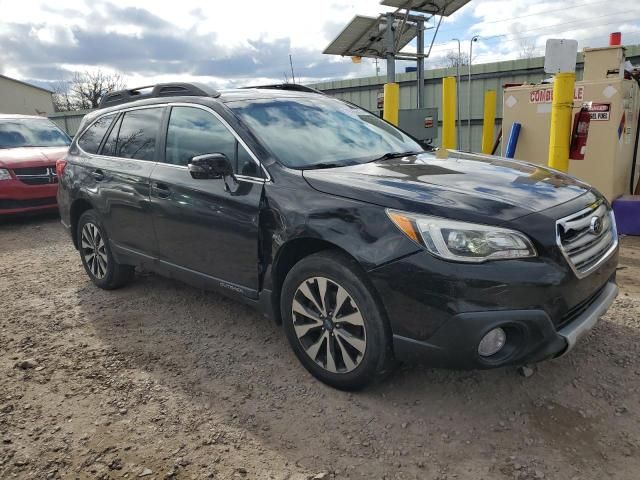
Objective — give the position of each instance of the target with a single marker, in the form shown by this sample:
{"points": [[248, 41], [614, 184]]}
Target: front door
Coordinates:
{"points": [[207, 226]]}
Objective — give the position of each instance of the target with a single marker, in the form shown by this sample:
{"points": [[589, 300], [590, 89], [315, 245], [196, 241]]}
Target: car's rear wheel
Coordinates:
{"points": [[333, 321], [96, 255]]}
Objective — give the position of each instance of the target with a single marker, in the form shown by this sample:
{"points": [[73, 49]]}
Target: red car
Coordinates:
{"points": [[29, 148]]}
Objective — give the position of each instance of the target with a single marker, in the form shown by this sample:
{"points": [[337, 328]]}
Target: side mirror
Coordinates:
{"points": [[211, 165]]}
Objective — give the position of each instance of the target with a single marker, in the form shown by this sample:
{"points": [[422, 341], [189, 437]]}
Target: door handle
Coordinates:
{"points": [[98, 175], [160, 189]]}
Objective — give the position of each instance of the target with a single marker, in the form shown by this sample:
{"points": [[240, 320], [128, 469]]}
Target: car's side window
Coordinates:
{"points": [[193, 131], [109, 146], [245, 164], [138, 134], [90, 140]]}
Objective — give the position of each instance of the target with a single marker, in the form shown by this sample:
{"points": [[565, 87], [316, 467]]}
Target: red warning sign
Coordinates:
{"points": [[600, 112]]}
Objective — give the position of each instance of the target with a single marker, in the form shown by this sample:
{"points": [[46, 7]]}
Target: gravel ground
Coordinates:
{"points": [[160, 380]]}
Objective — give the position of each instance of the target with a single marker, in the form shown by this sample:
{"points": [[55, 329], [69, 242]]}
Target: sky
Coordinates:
{"points": [[227, 44]]}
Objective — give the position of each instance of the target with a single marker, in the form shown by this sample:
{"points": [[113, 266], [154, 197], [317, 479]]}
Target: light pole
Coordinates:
{"points": [[458, 146], [473, 39]]}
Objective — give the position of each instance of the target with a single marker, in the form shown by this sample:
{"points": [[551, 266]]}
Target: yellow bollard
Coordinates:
{"points": [[489, 120], [391, 102], [449, 113], [561, 109]]}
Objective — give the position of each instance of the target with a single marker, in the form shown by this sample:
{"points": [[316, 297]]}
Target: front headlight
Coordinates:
{"points": [[462, 241], [4, 174]]}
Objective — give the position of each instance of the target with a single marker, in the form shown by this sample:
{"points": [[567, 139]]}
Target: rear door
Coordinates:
{"points": [[203, 226], [119, 177]]}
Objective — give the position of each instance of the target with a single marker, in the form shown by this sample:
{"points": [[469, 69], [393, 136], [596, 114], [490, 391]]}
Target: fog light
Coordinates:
{"points": [[492, 342]]}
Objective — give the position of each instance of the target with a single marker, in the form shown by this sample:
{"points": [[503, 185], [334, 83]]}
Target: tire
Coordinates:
{"points": [[96, 255], [349, 322]]}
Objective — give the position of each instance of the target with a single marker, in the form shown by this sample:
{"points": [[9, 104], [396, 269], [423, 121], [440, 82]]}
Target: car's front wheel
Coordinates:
{"points": [[96, 255], [333, 322]]}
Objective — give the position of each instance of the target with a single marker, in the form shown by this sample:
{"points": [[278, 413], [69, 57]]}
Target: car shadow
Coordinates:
{"points": [[227, 360], [27, 219]]}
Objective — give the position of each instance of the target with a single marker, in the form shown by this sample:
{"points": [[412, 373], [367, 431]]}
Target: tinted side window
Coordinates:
{"points": [[90, 140], [245, 164], [109, 147], [138, 133], [193, 131]]}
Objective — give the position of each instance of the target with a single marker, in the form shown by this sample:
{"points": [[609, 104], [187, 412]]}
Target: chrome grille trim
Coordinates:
{"points": [[36, 175], [583, 249]]}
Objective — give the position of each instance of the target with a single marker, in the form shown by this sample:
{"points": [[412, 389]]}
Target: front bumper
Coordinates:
{"points": [[531, 336], [439, 311], [18, 197], [577, 329]]}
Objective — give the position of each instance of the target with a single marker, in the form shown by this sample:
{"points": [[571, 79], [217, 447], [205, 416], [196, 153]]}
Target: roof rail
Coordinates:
{"points": [[176, 89], [294, 87]]}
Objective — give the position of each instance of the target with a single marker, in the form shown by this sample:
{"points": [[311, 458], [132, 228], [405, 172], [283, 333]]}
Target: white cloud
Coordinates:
{"points": [[507, 25], [192, 41], [54, 35]]}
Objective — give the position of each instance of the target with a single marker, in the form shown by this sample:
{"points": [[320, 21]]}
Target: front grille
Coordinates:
{"points": [[578, 309], [31, 171], [37, 175], [31, 202], [587, 238]]}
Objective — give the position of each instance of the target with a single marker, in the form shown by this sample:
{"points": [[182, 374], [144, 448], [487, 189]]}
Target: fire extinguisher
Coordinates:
{"points": [[579, 135]]}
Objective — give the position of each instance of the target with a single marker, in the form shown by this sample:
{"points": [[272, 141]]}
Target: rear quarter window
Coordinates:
{"points": [[91, 139]]}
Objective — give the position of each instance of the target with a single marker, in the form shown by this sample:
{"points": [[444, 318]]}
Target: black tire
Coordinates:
{"points": [[340, 272], [104, 272]]}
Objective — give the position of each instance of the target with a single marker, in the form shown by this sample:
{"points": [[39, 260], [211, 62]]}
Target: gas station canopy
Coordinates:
{"points": [[364, 37], [443, 8]]}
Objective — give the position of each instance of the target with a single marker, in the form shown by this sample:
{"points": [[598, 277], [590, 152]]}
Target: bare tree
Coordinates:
{"points": [[61, 98], [528, 49], [451, 59], [84, 90]]}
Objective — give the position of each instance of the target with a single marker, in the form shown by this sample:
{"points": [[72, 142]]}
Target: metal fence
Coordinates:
{"points": [[364, 91], [69, 121]]}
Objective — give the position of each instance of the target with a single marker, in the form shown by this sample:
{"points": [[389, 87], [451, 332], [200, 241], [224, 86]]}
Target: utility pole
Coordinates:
{"points": [[293, 77], [473, 39], [391, 88], [458, 95], [420, 63]]}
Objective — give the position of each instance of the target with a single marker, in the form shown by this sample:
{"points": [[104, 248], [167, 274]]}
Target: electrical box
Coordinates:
{"points": [[420, 123], [614, 106]]}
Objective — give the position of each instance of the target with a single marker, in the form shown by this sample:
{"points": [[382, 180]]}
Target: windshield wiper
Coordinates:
{"points": [[324, 165], [390, 155]]}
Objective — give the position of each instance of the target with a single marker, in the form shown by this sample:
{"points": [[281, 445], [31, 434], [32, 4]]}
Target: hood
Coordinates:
{"points": [[463, 186], [30, 156]]}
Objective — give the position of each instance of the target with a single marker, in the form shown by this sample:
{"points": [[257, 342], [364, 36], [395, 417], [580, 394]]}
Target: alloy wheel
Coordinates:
{"points": [[329, 325], [93, 250]]}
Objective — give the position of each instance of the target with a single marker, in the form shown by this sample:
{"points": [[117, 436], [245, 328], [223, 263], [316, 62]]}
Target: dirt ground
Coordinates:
{"points": [[161, 380]]}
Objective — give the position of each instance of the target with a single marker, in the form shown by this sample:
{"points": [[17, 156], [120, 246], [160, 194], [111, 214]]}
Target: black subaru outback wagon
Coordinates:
{"points": [[338, 225]]}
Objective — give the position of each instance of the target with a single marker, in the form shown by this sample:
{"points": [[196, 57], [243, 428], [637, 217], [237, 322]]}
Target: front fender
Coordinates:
{"points": [[360, 229]]}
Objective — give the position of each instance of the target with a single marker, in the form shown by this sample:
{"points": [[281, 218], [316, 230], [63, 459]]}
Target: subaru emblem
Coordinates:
{"points": [[596, 226]]}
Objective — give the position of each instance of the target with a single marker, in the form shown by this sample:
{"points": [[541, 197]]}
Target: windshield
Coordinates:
{"points": [[320, 131], [31, 132]]}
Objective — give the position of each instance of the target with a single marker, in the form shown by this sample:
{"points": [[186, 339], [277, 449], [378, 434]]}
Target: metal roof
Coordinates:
{"points": [[26, 84], [364, 37], [434, 7], [19, 116]]}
